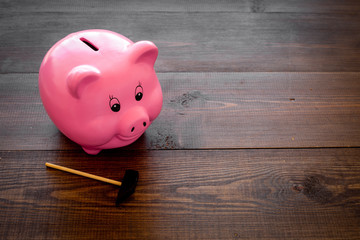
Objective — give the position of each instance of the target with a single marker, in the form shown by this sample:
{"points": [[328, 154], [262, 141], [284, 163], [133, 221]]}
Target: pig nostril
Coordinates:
{"points": [[144, 123], [132, 129]]}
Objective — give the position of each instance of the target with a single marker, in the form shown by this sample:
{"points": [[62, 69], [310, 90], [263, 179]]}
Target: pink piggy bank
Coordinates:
{"points": [[100, 89]]}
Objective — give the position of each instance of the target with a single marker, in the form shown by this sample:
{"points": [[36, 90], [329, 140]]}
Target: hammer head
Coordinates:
{"points": [[128, 185]]}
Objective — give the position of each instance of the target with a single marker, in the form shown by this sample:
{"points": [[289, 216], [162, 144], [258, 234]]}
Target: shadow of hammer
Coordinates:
{"points": [[127, 186]]}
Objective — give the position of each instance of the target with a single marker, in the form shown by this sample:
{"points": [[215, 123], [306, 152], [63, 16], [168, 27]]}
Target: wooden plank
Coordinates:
{"points": [[247, 6], [211, 110], [226, 194], [306, 6], [227, 41]]}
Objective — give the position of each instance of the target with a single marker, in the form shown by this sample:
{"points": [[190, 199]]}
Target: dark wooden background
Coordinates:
{"points": [[259, 136]]}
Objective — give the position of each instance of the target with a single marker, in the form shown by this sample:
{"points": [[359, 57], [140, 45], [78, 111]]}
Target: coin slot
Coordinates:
{"points": [[87, 42]]}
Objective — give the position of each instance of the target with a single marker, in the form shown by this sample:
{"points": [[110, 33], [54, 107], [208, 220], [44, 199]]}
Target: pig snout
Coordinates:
{"points": [[134, 123]]}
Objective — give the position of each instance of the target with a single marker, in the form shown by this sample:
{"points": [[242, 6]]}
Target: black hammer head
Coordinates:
{"points": [[128, 185]]}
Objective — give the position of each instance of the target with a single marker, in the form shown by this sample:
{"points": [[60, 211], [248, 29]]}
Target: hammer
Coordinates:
{"points": [[127, 186]]}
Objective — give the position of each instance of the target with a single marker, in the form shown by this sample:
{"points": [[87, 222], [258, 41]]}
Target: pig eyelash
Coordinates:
{"points": [[140, 85]]}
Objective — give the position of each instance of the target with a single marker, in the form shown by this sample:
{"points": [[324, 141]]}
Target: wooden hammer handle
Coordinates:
{"points": [[88, 175]]}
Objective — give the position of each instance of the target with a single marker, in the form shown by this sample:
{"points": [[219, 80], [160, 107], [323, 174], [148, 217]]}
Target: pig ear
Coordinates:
{"points": [[143, 51], [79, 77]]}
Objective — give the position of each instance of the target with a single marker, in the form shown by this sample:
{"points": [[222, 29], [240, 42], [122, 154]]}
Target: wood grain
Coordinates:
{"points": [[219, 194], [242, 6], [259, 136], [227, 42], [211, 110]]}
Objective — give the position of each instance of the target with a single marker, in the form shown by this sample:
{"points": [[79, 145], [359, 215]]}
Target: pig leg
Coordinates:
{"points": [[91, 151]]}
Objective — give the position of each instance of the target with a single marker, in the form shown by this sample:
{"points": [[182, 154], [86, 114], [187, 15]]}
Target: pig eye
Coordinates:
{"points": [[114, 104], [138, 92]]}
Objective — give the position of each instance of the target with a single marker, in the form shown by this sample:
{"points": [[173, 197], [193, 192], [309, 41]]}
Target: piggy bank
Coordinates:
{"points": [[100, 89]]}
